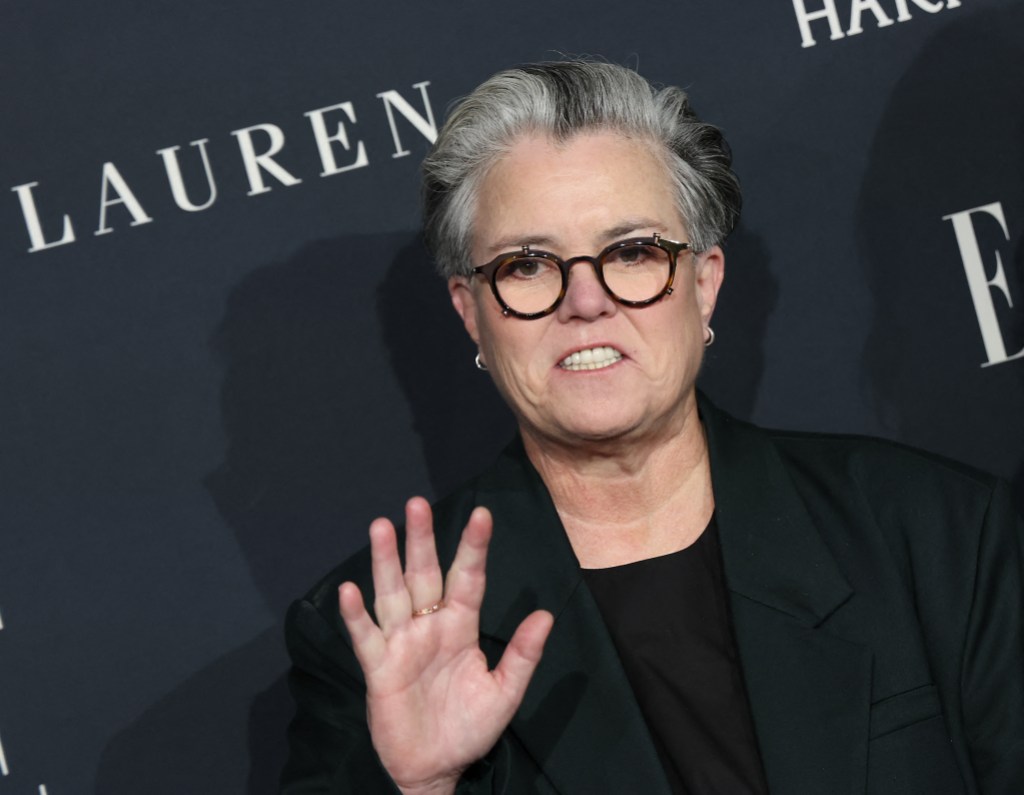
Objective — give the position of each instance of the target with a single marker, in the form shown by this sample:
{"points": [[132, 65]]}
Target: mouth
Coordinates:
{"points": [[591, 359]]}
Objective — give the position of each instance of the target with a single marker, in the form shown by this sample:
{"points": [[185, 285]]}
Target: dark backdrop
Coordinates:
{"points": [[202, 409]]}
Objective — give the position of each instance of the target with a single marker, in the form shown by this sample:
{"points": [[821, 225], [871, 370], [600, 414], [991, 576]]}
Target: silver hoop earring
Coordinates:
{"points": [[480, 363], [711, 338]]}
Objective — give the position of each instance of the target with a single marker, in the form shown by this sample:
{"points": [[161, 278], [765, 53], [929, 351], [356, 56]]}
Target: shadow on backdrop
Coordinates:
{"points": [[318, 443], [734, 365], [459, 416], [951, 139]]}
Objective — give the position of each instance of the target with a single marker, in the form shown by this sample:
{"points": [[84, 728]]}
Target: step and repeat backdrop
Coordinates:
{"points": [[223, 350]]}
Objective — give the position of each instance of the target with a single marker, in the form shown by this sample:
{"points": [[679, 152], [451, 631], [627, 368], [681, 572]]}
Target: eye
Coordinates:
{"points": [[527, 269], [631, 255]]}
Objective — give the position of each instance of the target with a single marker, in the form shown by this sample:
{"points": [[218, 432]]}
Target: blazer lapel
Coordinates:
{"points": [[809, 689], [579, 720]]}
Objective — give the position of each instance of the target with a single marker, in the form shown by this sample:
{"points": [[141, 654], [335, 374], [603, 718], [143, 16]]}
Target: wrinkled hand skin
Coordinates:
{"points": [[433, 706]]}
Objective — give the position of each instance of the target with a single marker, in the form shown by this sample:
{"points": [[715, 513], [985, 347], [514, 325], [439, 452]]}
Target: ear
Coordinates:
{"points": [[464, 301], [709, 271]]}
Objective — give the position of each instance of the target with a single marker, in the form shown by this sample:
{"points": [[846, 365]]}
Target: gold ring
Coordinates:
{"points": [[426, 611]]}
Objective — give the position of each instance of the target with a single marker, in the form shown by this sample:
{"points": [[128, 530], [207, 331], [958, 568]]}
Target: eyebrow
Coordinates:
{"points": [[512, 242]]}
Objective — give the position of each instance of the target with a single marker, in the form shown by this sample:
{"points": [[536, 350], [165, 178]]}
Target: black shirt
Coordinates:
{"points": [[670, 622]]}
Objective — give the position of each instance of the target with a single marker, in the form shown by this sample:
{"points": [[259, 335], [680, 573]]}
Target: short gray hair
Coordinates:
{"points": [[562, 99]]}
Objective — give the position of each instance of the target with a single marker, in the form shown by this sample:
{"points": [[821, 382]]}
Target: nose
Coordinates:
{"points": [[584, 296]]}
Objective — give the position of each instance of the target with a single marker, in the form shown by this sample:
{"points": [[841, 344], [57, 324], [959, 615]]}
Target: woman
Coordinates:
{"points": [[675, 601]]}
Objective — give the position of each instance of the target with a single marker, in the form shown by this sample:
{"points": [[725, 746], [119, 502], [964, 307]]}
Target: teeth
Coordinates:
{"points": [[591, 359]]}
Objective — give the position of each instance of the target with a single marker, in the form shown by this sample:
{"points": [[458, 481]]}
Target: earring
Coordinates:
{"points": [[711, 338], [480, 363]]}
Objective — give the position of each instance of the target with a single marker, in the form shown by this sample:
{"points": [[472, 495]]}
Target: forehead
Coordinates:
{"points": [[573, 193]]}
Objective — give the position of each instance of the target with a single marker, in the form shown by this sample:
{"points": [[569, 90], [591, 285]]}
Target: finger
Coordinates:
{"points": [[422, 571], [367, 640], [523, 653], [391, 598], [467, 576]]}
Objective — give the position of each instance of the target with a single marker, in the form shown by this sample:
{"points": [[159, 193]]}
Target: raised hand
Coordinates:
{"points": [[433, 705]]}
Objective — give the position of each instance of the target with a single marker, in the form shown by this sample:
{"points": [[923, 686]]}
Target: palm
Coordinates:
{"points": [[433, 705]]}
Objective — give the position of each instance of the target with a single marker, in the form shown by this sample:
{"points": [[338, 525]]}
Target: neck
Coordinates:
{"points": [[627, 500]]}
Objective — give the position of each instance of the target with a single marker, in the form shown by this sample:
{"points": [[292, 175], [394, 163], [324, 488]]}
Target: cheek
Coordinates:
{"points": [[493, 332], [498, 341], [514, 351], [677, 343]]}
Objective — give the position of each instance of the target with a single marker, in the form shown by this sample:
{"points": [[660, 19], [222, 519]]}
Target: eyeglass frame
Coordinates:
{"points": [[671, 247]]}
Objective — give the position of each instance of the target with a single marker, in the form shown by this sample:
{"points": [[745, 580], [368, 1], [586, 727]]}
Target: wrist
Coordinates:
{"points": [[445, 786]]}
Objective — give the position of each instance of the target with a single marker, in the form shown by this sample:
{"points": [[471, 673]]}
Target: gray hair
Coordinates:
{"points": [[562, 99]]}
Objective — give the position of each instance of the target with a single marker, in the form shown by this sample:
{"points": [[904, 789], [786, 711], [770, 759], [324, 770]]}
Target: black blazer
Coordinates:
{"points": [[876, 595]]}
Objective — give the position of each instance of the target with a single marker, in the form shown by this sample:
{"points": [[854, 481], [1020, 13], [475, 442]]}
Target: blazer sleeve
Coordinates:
{"points": [[330, 750], [992, 684]]}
